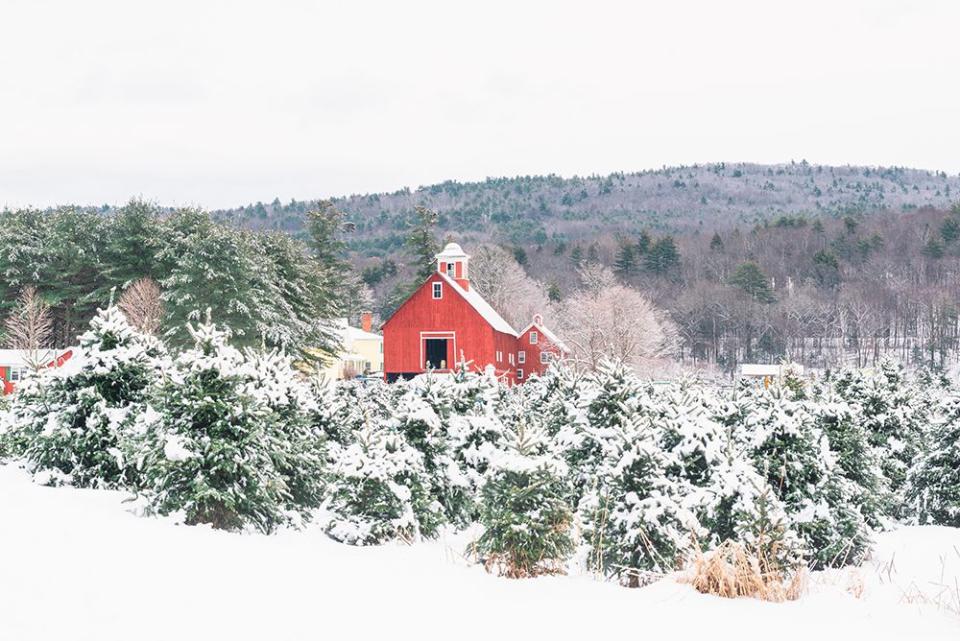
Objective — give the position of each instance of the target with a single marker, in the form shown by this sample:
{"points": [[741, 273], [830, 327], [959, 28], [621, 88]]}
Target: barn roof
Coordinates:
{"points": [[476, 301]]}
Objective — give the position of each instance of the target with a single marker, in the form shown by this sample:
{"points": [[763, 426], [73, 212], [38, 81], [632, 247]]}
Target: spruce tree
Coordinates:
{"points": [[379, 489], [526, 519], [76, 423], [932, 490], [211, 447]]}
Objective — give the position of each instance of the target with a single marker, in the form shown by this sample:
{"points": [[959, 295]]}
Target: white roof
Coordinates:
{"points": [[452, 250], [476, 301], [21, 357], [759, 369], [550, 336], [350, 333]]}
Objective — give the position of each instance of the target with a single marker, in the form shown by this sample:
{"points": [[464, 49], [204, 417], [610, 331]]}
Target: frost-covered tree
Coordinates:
{"points": [[605, 319], [524, 512], [298, 452], [894, 415], [379, 489], [74, 423], [933, 486], [795, 457], [211, 446]]}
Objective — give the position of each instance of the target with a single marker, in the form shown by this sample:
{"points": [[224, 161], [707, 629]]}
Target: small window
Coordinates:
{"points": [[534, 338], [450, 270], [545, 357], [499, 357], [510, 358], [437, 290], [519, 373], [521, 357], [16, 374]]}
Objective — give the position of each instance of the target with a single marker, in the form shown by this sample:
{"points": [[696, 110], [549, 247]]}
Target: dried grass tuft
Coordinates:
{"points": [[730, 571]]}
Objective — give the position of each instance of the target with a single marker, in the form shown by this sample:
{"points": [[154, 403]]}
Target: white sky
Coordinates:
{"points": [[224, 103]]}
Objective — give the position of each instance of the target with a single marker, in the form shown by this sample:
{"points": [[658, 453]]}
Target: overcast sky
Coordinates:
{"points": [[223, 103]]}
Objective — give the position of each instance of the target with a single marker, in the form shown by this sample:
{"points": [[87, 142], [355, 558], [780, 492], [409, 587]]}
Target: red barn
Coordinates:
{"points": [[446, 322]]}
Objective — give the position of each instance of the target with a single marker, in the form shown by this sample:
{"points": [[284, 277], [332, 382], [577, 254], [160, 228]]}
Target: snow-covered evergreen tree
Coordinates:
{"points": [[74, 423], [379, 489], [524, 511], [933, 485], [794, 455], [211, 447], [894, 414], [633, 512], [299, 453]]}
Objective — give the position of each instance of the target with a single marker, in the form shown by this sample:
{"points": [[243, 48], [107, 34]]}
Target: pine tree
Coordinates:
{"points": [[527, 522], [795, 457], [298, 451], [379, 489], [77, 424], [211, 447], [210, 267], [716, 243], [932, 490], [632, 511], [626, 261], [751, 280], [663, 257]]}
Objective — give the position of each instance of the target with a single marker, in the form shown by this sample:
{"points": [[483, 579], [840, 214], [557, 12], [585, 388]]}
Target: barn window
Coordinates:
{"points": [[450, 270], [545, 357], [519, 373], [510, 358], [16, 373], [534, 338], [437, 290], [521, 357]]}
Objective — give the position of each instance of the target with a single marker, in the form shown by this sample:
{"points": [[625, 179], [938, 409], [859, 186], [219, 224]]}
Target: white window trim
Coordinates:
{"points": [[534, 338], [519, 374], [545, 357], [510, 358], [521, 357], [437, 291]]}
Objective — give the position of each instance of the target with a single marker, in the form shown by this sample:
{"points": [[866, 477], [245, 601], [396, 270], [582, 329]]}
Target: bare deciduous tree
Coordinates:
{"points": [[605, 319], [30, 328], [505, 285], [140, 302]]}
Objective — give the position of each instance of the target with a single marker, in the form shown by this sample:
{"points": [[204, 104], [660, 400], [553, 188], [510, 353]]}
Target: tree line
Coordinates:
{"points": [[271, 288]]}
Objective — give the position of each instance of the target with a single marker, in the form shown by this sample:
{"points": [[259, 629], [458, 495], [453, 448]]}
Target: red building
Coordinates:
{"points": [[446, 322]]}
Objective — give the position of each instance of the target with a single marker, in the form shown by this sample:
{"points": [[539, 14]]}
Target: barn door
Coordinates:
{"points": [[435, 351]]}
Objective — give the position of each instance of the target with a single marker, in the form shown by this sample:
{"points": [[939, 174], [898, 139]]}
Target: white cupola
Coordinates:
{"points": [[452, 262]]}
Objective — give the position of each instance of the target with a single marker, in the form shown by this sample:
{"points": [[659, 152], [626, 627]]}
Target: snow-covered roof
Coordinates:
{"points": [[476, 301], [350, 333], [452, 250], [550, 336], [760, 369]]}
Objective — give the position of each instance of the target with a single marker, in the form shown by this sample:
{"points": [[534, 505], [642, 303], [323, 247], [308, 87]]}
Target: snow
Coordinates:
{"points": [[79, 564]]}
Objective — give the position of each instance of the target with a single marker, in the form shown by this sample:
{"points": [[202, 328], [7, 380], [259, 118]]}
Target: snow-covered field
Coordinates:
{"points": [[77, 564]]}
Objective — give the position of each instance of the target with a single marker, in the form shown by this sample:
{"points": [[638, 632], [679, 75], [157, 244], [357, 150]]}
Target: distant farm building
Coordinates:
{"points": [[446, 322], [361, 351], [15, 363]]}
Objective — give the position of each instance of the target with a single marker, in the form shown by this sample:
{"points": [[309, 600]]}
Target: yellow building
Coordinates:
{"points": [[361, 352]]}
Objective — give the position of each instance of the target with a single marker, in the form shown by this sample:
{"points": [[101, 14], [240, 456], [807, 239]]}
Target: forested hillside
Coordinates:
{"points": [[824, 265]]}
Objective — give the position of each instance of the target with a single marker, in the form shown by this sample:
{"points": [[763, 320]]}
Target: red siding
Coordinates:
{"points": [[474, 339], [533, 351]]}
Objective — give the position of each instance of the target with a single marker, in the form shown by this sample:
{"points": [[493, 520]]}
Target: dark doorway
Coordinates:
{"points": [[436, 353]]}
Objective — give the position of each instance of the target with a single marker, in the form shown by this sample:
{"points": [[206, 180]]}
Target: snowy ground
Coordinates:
{"points": [[76, 564]]}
